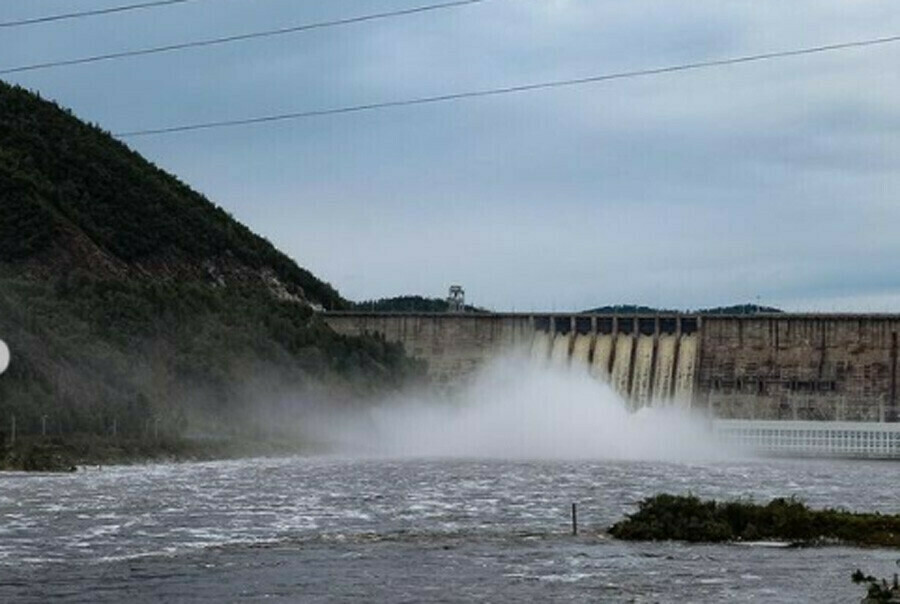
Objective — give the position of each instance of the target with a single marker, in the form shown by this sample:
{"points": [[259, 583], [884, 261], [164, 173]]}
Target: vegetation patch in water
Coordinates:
{"points": [[878, 591], [688, 518]]}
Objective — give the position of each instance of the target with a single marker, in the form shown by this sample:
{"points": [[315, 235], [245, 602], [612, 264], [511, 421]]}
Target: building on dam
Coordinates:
{"points": [[819, 376]]}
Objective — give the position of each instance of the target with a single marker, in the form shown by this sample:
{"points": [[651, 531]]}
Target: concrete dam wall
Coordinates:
{"points": [[762, 367]]}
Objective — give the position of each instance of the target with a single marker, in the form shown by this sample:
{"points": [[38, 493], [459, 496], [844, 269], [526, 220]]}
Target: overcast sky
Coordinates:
{"points": [[775, 181]]}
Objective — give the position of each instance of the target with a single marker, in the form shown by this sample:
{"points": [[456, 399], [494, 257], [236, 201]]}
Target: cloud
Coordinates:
{"points": [[773, 179]]}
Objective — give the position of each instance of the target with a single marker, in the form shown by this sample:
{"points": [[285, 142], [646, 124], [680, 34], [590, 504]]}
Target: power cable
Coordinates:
{"points": [[240, 37], [91, 13], [455, 96]]}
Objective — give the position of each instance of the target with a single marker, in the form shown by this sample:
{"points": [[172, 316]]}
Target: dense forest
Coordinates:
{"points": [[741, 309], [133, 304], [74, 197], [409, 304]]}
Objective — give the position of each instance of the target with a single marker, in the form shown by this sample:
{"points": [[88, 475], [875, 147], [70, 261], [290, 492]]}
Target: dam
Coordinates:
{"points": [[744, 371], [755, 367]]}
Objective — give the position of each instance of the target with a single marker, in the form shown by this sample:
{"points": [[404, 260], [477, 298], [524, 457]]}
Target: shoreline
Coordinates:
{"points": [[55, 454]]}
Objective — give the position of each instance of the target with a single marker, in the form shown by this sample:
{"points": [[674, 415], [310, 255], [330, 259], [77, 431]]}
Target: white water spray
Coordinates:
{"points": [[517, 408]]}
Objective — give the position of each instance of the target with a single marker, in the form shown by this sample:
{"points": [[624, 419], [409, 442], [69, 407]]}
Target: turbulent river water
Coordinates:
{"points": [[340, 529]]}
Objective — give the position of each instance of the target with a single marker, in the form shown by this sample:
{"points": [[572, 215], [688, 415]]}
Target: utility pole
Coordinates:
{"points": [[574, 520]]}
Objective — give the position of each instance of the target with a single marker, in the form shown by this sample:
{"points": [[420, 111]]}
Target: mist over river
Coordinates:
{"points": [[336, 528]]}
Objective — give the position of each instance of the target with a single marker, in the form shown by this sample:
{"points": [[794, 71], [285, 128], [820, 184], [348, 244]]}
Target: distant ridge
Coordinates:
{"points": [[637, 309], [628, 309], [423, 304], [741, 309]]}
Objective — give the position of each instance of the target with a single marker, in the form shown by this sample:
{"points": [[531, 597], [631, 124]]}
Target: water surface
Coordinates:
{"points": [[411, 530]]}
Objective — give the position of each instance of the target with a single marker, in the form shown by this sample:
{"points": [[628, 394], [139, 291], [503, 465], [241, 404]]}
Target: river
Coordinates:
{"points": [[339, 529]]}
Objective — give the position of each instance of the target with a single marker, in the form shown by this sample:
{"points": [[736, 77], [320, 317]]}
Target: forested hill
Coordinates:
{"points": [[75, 198], [131, 302]]}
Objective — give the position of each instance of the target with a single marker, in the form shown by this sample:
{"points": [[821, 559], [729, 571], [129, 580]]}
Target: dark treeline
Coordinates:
{"points": [[134, 306], [409, 304], [637, 309], [178, 357]]}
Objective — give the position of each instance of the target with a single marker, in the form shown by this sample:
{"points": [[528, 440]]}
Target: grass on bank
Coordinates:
{"points": [[688, 518]]}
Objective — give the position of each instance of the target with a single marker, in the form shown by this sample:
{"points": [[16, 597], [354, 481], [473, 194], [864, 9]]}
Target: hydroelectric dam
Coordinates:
{"points": [[786, 383]]}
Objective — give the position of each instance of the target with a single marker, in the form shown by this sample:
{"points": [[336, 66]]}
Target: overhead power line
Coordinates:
{"points": [[240, 37], [91, 13], [471, 94]]}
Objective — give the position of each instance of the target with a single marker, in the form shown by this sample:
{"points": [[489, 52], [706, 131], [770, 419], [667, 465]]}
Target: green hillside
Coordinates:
{"points": [[74, 197], [131, 302]]}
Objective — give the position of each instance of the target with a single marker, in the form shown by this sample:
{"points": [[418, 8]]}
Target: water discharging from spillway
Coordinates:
{"points": [[559, 355], [581, 350], [553, 400], [685, 370], [540, 347], [646, 370], [603, 348]]}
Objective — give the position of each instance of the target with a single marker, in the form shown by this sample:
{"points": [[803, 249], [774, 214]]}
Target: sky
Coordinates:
{"points": [[772, 182]]}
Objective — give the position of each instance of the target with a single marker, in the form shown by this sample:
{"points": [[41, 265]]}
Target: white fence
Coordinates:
{"points": [[869, 440]]}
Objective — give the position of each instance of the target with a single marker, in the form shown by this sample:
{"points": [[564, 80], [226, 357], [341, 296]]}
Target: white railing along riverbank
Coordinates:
{"points": [[868, 440]]}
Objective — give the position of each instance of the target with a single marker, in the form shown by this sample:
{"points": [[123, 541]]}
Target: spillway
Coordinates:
{"points": [[559, 357], [641, 387], [621, 371], [581, 351], [685, 370], [603, 349], [645, 369], [665, 368], [540, 346]]}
